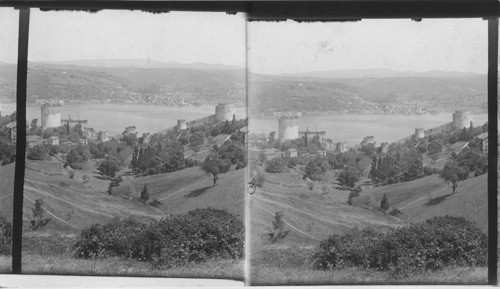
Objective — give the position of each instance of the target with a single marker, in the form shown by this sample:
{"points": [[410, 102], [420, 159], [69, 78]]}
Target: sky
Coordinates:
{"points": [[274, 47], [432, 44], [184, 37]]}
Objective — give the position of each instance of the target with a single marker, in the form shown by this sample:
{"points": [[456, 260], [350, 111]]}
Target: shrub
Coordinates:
{"points": [[352, 195], [395, 212], [63, 184], [276, 165], [5, 236], [155, 203], [71, 174], [85, 179], [195, 236], [260, 179], [37, 152], [434, 244], [114, 238]]}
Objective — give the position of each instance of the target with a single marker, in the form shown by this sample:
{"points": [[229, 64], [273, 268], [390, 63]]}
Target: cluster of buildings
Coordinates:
{"points": [[51, 118]]}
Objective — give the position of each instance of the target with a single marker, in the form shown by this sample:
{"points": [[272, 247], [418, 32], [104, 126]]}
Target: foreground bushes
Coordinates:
{"points": [[5, 236], [196, 236], [434, 244]]}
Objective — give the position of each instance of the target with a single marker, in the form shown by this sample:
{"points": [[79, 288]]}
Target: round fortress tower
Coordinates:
{"points": [[288, 127], [51, 115], [224, 111], [461, 119], [419, 133], [181, 124]]}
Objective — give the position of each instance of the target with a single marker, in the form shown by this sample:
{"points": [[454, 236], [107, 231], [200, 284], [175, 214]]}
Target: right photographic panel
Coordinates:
{"points": [[368, 147]]}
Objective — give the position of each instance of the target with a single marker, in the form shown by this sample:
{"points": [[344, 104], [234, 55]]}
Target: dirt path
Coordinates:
{"points": [[287, 223], [53, 215]]}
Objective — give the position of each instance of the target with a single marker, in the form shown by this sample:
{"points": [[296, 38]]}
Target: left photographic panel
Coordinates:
{"points": [[9, 21], [135, 150]]}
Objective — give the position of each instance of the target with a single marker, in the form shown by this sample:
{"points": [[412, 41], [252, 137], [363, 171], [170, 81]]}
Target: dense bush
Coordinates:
{"points": [[434, 244], [114, 238], [276, 165], [37, 152], [195, 236], [5, 236]]}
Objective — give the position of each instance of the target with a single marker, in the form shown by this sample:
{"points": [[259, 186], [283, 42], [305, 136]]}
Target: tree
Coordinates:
{"points": [[278, 232], [275, 165], [348, 177], [213, 166], [453, 173], [37, 152], [435, 147], [144, 193], [197, 139], [38, 220], [109, 167], [384, 204], [34, 125], [78, 129], [77, 157], [261, 157]]}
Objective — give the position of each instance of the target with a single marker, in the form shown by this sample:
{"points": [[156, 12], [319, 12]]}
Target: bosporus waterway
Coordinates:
{"points": [[113, 118], [353, 128]]}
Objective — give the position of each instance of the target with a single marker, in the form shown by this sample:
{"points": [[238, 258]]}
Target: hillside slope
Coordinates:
{"points": [[310, 217], [430, 196], [73, 206], [190, 188]]}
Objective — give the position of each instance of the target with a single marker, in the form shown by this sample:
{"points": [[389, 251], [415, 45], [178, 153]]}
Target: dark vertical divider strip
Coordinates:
{"points": [[492, 150], [22, 74]]}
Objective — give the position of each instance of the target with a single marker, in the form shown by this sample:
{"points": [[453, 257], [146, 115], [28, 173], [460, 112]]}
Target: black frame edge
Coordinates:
{"points": [[22, 75], [492, 150]]}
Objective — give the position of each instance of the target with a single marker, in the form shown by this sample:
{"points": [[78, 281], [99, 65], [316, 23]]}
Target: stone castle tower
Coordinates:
{"points": [[181, 124], [462, 118], [224, 111], [419, 133], [51, 115], [288, 127]]}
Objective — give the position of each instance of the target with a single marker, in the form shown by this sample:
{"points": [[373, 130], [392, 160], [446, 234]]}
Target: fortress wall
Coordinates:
{"points": [[202, 121]]}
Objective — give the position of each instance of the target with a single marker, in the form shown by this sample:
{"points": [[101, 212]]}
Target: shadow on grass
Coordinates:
{"points": [[340, 188], [197, 192], [436, 201]]}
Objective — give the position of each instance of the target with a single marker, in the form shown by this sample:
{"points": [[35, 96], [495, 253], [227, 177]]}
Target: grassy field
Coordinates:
{"points": [[313, 215], [68, 265], [76, 205], [430, 196]]}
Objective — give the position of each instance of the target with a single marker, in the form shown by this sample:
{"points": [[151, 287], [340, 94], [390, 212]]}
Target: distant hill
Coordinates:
{"points": [[139, 63], [430, 196], [127, 82], [379, 73], [358, 91]]}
